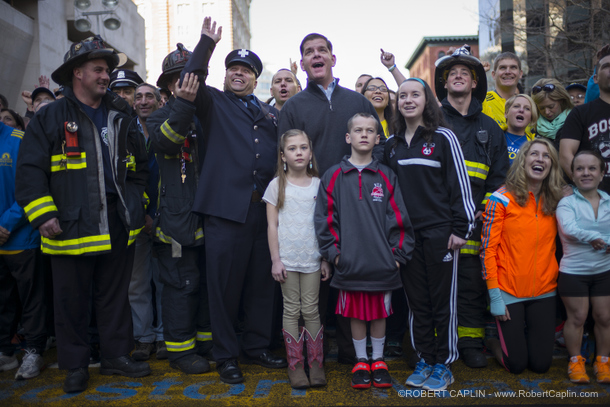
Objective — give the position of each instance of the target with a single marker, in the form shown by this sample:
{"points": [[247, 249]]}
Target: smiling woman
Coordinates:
{"points": [[433, 179], [584, 278], [518, 255], [376, 91]]}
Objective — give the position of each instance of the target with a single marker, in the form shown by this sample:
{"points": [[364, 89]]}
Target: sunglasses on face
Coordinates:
{"points": [[548, 88]]}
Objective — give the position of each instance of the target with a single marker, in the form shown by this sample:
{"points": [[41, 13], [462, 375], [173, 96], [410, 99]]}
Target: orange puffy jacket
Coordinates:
{"points": [[518, 246]]}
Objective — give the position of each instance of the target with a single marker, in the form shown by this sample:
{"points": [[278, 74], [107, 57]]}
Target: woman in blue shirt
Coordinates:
{"points": [[584, 274], [521, 112]]}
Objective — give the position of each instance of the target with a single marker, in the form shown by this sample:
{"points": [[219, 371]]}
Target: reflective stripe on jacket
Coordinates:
{"points": [[72, 189]]}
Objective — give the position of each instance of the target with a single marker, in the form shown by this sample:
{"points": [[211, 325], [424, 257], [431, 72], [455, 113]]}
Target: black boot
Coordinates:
{"points": [[124, 366], [76, 380], [473, 357], [191, 364]]}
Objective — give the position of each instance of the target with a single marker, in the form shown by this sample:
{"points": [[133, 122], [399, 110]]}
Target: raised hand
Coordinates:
{"points": [[26, 95], [188, 90], [387, 59], [293, 67], [209, 28], [44, 82]]}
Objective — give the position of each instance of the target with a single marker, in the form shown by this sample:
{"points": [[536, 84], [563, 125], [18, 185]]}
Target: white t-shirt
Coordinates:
{"points": [[298, 243]]}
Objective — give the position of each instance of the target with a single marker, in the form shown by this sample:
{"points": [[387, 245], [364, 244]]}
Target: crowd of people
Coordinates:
{"points": [[195, 224]]}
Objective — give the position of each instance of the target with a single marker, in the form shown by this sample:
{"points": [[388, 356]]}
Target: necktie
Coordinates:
{"points": [[252, 106]]}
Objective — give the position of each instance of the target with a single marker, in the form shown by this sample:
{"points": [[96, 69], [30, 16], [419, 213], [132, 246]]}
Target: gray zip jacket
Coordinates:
{"points": [[360, 215]]}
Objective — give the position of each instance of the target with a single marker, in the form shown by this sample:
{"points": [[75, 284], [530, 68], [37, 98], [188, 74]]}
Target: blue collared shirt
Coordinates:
{"points": [[251, 98], [329, 92]]}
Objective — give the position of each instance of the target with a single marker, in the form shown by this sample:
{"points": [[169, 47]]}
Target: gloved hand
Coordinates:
{"points": [[496, 303]]}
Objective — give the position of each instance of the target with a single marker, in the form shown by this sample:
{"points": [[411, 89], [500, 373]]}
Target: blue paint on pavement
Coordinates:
{"points": [[108, 389], [11, 385], [32, 396], [161, 388], [192, 391]]}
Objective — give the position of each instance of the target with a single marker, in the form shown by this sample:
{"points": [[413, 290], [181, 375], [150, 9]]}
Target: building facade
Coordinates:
{"points": [[421, 64], [553, 38], [36, 34], [169, 22]]}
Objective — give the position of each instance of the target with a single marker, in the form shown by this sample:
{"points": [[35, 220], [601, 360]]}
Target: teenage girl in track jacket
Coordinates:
{"points": [[434, 181]]}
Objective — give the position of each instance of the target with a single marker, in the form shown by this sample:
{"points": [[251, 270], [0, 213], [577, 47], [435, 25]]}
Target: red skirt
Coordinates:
{"points": [[364, 305]]}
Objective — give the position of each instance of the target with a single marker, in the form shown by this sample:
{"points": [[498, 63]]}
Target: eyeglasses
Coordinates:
{"points": [[548, 88], [579, 96], [373, 88]]}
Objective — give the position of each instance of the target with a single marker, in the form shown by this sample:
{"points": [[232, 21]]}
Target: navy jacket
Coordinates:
{"points": [[241, 150]]}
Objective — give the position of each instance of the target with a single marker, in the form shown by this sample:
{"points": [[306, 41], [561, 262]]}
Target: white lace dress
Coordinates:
{"points": [[299, 249]]}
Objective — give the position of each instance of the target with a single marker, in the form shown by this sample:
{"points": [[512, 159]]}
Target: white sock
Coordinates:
{"points": [[360, 347], [377, 347]]}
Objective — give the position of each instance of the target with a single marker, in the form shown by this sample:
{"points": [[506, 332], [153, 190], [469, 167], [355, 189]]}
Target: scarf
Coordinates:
{"points": [[549, 129]]}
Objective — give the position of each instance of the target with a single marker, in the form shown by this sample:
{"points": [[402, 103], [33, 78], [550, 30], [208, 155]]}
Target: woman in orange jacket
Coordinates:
{"points": [[518, 255]]}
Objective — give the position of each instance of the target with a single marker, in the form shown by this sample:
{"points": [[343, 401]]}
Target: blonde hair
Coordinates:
{"points": [[533, 107], [312, 170], [559, 94], [550, 192]]}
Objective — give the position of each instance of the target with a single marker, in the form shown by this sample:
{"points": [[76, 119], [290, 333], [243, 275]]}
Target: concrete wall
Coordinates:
{"points": [[129, 38]]}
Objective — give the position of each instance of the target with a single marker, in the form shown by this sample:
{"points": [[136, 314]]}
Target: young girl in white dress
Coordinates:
{"points": [[297, 264]]}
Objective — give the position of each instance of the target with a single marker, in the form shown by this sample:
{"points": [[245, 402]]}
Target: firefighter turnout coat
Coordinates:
{"points": [[51, 183]]}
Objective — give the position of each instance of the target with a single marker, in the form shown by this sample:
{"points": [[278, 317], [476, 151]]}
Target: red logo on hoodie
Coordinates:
{"points": [[377, 193], [427, 149]]}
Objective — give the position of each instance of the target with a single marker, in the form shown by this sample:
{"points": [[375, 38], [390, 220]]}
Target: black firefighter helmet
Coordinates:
{"points": [[173, 63], [87, 49], [461, 56]]}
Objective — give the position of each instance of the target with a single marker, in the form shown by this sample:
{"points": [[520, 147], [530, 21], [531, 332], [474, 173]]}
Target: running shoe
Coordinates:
{"points": [[361, 376], [7, 362], [31, 365], [440, 378], [576, 370], [381, 376], [420, 374], [601, 367]]}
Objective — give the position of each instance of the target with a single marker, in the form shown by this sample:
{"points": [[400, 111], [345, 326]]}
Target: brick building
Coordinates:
{"points": [[421, 64]]}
